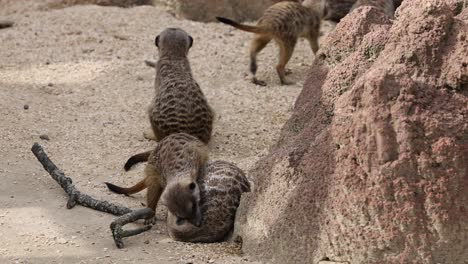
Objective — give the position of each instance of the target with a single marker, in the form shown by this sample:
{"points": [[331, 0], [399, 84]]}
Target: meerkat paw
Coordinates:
{"points": [[149, 134], [284, 82], [258, 82], [150, 221]]}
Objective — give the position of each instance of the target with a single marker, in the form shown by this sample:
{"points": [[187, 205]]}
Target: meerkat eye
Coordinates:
{"points": [[156, 41], [192, 186]]}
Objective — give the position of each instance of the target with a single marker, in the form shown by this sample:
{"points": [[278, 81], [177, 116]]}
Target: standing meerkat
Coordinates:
{"points": [[179, 105], [284, 22], [221, 186], [171, 174]]}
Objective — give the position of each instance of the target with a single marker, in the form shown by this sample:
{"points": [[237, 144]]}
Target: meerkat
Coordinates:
{"points": [[335, 10], [386, 6], [284, 22], [179, 105], [171, 174], [221, 186]]}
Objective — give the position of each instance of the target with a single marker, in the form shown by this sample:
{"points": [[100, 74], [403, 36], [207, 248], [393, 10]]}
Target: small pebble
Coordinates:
{"points": [[44, 137], [146, 242], [50, 84], [26, 107]]}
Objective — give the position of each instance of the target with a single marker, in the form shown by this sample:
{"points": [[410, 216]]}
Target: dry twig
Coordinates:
{"points": [[76, 197]]}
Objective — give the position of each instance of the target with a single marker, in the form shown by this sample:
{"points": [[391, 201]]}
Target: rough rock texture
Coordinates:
{"points": [[207, 10], [372, 166]]}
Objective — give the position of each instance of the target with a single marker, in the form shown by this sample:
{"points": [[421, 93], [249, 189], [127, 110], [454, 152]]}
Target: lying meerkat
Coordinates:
{"points": [[335, 10], [179, 105], [386, 6], [171, 174], [221, 186], [284, 22]]}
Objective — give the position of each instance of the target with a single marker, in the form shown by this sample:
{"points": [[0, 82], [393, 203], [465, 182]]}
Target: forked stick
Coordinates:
{"points": [[76, 197], [116, 226]]}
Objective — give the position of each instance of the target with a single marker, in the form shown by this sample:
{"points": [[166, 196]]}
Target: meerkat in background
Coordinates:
{"points": [[335, 10], [386, 6], [221, 186], [284, 22], [171, 174], [179, 105]]}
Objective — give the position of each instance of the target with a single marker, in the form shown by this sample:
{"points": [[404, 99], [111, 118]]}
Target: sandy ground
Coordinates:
{"points": [[81, 72]]}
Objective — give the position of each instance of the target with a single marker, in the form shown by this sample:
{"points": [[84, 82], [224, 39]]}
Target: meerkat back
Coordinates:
{"points": [[221, 185], [179, 105]]}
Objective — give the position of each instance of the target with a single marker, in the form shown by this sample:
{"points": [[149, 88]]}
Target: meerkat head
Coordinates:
{"points": [[173, 42], [182, 199]]}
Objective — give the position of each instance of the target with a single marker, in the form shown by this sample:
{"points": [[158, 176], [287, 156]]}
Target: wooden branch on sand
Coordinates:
{"points": [[76, 197], [116, 226]]}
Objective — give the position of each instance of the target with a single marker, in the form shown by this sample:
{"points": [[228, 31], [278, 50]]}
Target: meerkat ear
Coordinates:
{"points": [[192, 186], [156, 41], [190, 41]]}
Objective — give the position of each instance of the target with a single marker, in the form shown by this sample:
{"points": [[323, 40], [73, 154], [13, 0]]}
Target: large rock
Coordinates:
{"points": [[373, 165]]}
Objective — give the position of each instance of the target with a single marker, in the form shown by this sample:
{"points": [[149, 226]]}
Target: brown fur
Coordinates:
{"points": [[386, 6], [335, 10], [284, 22], [221, 186], [179, 105], [172, 171]]}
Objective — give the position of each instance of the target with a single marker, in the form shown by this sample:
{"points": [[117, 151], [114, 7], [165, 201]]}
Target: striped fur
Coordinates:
{"points": [[221, 186]]}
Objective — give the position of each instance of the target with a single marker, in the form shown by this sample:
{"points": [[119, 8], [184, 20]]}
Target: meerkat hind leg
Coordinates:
{"points": [[313, 41], [286, 47], [258, 44], [154, 191]]}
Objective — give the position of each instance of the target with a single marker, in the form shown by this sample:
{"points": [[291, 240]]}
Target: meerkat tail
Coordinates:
{"points": [[141, 157], [127, 191], [6, 24], [243, 27]]}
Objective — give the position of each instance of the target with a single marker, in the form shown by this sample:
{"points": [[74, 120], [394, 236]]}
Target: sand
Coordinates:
{"points": [[81, 74]]}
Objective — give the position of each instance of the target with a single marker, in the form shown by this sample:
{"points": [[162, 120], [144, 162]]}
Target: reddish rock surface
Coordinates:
{"points": [[372, 166]]}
